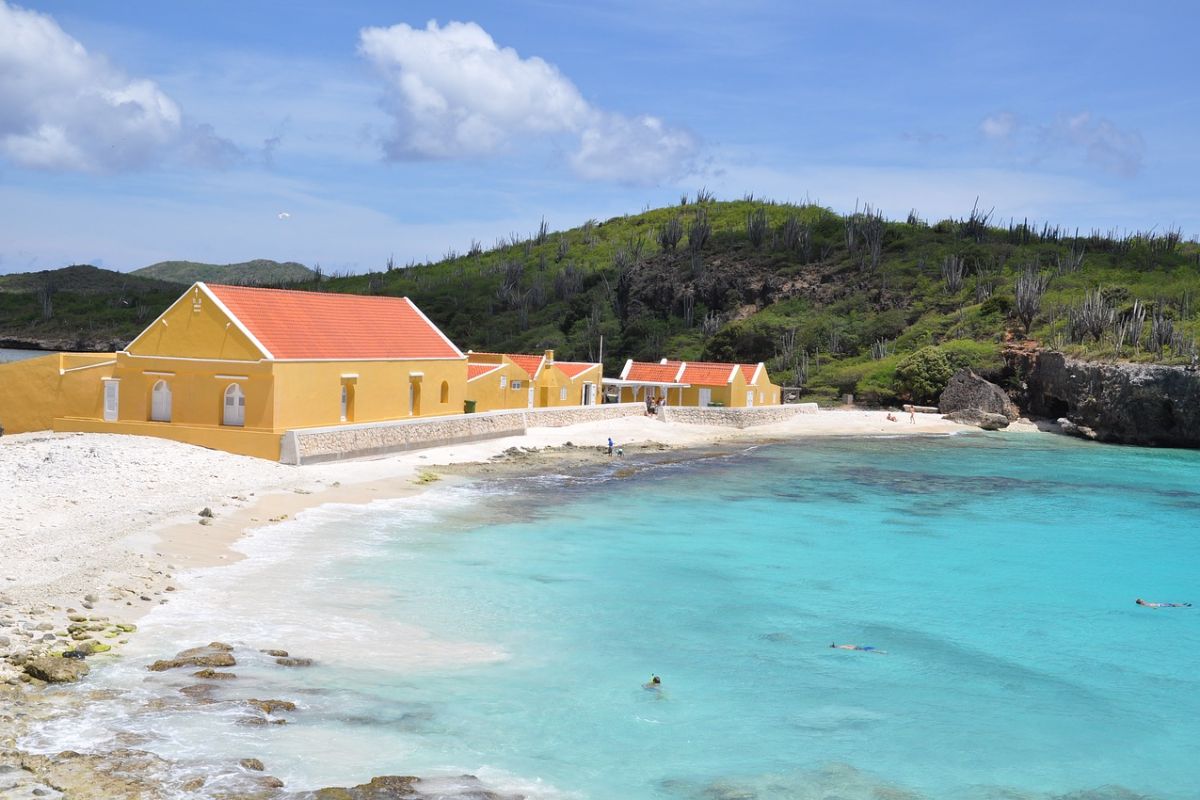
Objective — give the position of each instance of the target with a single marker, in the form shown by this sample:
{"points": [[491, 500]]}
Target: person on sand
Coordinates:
{"points": [[649, 404], [891, 417], [610, 445], [864, 648], [653, 685], [1142, 602], [912, 413]]}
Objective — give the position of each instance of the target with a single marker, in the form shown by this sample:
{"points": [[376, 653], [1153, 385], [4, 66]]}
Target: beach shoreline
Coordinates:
{"points": [[137, 566]]}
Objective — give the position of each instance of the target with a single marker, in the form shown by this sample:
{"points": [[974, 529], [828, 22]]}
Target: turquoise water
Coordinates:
{"points": [[505, 629]]}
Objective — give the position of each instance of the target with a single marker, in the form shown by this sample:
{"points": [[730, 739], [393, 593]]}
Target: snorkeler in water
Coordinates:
{"points": [[864, 648], [654, 684], [1142, 602]]}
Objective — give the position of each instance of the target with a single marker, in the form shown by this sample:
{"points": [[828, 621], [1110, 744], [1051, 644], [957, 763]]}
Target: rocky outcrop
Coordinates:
{"points": [[1144, 404], [966, 390], [980, 419], [216, 654], [56, 670]]}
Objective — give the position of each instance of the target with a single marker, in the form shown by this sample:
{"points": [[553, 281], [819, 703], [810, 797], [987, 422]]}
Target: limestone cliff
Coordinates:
{"points": [[1144, 404]]}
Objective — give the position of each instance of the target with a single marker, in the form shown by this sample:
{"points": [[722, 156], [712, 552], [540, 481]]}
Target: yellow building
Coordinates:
{"points": [[513, 380], [696, 383], [233, 368]]}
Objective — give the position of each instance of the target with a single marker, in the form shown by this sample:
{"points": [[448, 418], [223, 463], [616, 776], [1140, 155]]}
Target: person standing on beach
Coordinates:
{"points": [[610, 445], [912, 413]]}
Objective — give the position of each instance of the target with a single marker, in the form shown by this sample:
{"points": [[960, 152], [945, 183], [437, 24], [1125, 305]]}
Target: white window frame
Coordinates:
{"points": [[562, 393], [503, 381], [516, 386]]}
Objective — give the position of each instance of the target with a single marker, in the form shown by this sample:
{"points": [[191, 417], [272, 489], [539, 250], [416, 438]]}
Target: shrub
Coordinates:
{"points": [[924, 374], [983, 357]]}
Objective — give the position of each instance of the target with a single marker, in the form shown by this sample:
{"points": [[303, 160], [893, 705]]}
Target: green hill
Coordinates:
{"points": [[257, 272], [79, 307], [831, 303], [82, 279]]}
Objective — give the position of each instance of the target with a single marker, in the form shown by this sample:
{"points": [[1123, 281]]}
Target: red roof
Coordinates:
{"points": [[653, 373], [706, 373], [748, 371], [479, 370], [530, 364], [321, 325], [574, 369]]}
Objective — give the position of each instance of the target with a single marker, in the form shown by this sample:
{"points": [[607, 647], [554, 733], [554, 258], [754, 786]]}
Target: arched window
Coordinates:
{"points": [[235, 406], [160, 402], [445, 392]]}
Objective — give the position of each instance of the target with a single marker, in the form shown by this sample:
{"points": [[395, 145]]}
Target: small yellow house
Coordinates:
{"points": [[513, 380], [233, 368], [696, 383]]}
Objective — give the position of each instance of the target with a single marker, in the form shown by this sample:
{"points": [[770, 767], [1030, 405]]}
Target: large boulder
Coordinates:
{"points": [[981, 419], [215, 654], [966, 390], [56, 670]]}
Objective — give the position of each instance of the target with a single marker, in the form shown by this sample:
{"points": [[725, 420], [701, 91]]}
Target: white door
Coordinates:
{"points": [[111, 400], [749, 398], [531, 397], [589, 394], [235, 407], [160, 402], [346, 402], [705, 398]]}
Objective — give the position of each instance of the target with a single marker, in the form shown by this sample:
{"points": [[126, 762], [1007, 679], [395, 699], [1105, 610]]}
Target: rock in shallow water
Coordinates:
{"points": [[982, 419], [215, 654], [56, 670]]}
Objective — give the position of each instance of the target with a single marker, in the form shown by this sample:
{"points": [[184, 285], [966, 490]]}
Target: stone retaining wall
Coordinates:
{"points": [[338, 442], [735, 417]]}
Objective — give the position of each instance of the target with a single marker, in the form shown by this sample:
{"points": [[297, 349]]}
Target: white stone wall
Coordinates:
{"points": [[734, 417], [336, 442]]}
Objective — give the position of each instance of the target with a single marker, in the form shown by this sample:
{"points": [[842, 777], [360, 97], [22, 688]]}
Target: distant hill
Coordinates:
{"points": [[84, 279], [257, 272]]}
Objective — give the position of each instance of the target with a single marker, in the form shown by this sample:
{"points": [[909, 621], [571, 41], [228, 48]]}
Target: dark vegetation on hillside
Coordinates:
{"points": [[832, 303], [247, 273]]}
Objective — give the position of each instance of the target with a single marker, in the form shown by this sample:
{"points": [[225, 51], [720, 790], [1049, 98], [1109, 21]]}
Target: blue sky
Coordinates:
{"points": [[342, 134]]}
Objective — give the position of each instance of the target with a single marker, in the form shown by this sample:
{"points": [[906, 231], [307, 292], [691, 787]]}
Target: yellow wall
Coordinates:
{"points": [[553, 380], [309, 393], [197, 395], [35, 391], [194, 327], [489, 395], [260, 444], [766, 393]]}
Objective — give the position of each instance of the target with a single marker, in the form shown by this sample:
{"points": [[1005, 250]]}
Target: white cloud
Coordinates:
{"points": [[62, 108], [999, 126], [1102, 142], [453, 92], [1098, 141]]}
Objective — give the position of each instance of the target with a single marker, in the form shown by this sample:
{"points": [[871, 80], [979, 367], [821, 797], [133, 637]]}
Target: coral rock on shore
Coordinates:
{"points": [[982, 419], [966, 390], [56, 670], [391, 787]]}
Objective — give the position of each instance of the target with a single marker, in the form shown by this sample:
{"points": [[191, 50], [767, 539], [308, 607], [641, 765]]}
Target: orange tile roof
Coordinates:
{"points": [[748, 371], [654, 373], [706, 373], [574, 369], [479, 370], [530, 364], [321, 325]]}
